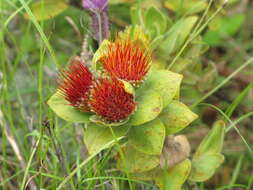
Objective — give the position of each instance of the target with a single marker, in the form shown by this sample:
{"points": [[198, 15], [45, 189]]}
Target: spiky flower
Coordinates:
{"points": [[74, 84], [109, 100], [126, 60]]}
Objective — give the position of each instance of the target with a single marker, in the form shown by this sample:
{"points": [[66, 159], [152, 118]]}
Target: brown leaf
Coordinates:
{"points": [[175, 150]]}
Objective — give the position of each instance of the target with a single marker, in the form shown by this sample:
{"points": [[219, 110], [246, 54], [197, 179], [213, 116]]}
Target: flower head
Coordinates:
{"points": [[95, 4], [126, 60], [109, 100], [74, 84]]}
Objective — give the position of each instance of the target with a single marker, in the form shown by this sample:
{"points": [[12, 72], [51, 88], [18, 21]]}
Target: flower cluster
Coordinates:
{"points": [[105, 95]]}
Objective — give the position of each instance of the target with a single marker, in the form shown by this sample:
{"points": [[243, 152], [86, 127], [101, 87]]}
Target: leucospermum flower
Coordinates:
{"points": [[126, 60], [110, 101], [74, 84]]}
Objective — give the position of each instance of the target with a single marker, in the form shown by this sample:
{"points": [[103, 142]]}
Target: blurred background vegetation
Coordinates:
{"points": [[207, 41]]}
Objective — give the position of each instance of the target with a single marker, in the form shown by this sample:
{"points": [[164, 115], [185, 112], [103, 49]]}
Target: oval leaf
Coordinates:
{"points": [[176, 116], [146, 176], [204, 166], [155, 21], [213, 141], [47, 9], [96, 137], [65, 111], [165, 82], [148, 138], [135, 161], [177, 35], [174, 178], [186, 7], [148, 108]]}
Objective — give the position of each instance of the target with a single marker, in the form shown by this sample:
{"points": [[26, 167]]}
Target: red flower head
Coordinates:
{"points": [[109, 100], [74, 84], [127, 60]]}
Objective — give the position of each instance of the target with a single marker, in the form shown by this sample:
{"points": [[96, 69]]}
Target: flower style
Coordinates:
{"points": [[74, 84], [110, 101], [127, 60]]}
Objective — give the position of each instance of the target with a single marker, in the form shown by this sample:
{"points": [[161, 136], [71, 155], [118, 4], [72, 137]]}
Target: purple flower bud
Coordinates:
{"points": [[95, 4]]}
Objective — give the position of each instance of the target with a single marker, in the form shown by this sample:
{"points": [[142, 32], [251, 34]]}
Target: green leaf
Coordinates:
{"points": [[128, 87], [174, 178], [176, 116], [99, 121], [212, 37], [177, 35], [135, 161], [146, 176], [137, 34], [232, 24], [67, 112], [96, 137], [204, 166], [47, 9], [155, 21], [186, 7], [164, 82], [136, 15], [148, 138], [238, 100], [99, 53], [228, 27], [213, 141], [207, 157], [148, 108]]}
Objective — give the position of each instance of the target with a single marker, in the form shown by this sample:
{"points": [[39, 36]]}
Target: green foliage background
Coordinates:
{"points": [[39, 149]]}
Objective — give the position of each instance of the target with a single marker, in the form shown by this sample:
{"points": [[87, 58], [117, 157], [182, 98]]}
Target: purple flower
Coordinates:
{"points": [[95, 4]]}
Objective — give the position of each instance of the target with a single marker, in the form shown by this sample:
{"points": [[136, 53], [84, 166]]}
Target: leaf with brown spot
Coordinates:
{"points": [[174, 178], [176, 116], [148, 108], [135, 161], [148, 138]]}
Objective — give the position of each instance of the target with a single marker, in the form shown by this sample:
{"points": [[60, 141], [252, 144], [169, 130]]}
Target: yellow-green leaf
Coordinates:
{"points": [[177, 35], [100, 53], [135, 161], [63, 109], [47, 9], [100, 121], [176, 116], [174, 178], [213, 141], [164, 82], [186, 7], [148, 138], [148, 108], [155, 21], [96, 137], [204, 166]]}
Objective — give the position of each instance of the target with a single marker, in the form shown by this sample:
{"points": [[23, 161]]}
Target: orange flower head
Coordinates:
{"points": [[126, 60], [74, 84], [110, 101]]}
